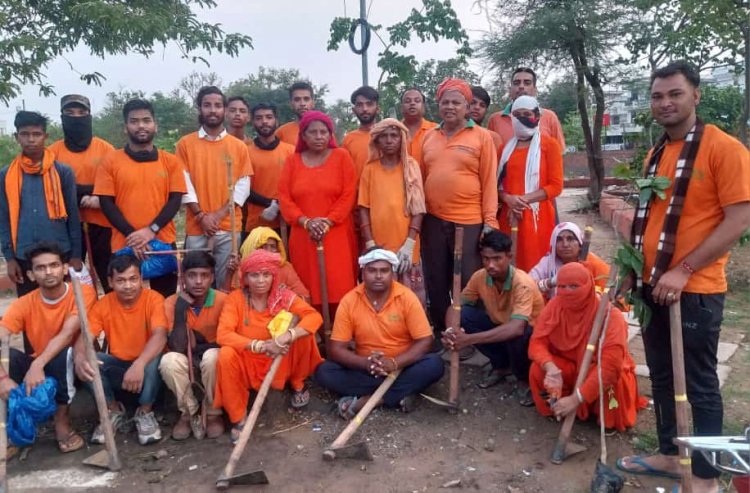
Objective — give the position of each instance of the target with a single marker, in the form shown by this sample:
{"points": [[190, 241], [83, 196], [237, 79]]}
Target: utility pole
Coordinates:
{"points": [[363, 34]]}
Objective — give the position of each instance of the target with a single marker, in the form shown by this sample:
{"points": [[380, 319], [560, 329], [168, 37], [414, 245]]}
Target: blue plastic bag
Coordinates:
{"points": [[154, 265], [24, 413]]}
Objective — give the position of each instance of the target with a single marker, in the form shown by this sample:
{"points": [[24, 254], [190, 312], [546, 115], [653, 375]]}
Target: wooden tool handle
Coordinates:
{"points": [[588, 231], [453, 318], [90, 254], [373, 401], [680, 393], [284, 233], [513, 237], [5, 361], [101, 401], [324, 290]]}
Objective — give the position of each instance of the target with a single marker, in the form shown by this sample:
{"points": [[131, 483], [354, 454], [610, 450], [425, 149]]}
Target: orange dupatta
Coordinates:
{"points": [[52, 189]]}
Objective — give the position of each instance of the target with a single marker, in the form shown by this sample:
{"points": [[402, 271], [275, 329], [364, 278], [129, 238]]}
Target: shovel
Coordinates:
{"points": [[324, 291], [107, 458], [680, 393], [4, 360], [232, 221], [358, 451]]}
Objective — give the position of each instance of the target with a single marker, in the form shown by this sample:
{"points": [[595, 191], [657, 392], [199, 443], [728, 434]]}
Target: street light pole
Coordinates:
{"points": [[363, 40]]}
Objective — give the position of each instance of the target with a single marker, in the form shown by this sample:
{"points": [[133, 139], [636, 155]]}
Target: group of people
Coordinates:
{"points": [[376, 218]]}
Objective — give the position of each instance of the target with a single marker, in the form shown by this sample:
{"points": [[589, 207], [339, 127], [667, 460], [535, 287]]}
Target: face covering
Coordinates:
{"points": [[524, 127], [77, 130]]}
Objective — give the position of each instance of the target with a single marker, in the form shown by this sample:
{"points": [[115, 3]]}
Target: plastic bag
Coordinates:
{"points": [[154, 265], [24, 413]]}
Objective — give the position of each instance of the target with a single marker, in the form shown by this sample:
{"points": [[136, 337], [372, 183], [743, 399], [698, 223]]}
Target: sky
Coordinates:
{"points": [[286, 34]]}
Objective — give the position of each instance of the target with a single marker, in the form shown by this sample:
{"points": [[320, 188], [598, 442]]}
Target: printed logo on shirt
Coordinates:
{"points": [[465, 149], [394, 317], [162, 173]]}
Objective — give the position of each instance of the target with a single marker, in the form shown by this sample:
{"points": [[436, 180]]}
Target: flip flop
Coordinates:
{"points": [[70, 443], [491, 378], [300, 398], [647, 470], [346, 406], [676, 489]]}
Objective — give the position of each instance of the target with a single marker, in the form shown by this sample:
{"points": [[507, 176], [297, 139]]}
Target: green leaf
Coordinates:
{"points": [[661, 183], [613, 404], [660, 193]]}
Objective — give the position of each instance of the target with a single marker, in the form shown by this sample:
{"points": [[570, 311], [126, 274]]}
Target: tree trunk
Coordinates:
{"points": [[744, 137]]}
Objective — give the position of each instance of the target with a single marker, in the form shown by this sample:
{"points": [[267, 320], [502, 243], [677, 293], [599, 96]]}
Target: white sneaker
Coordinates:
{"points": [[196, 425], [147, 426], [117, 417]]}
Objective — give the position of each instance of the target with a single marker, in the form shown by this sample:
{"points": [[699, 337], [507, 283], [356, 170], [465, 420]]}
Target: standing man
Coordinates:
{"points": [[205, 154], [238, 115], [357, 142], [83, 152], [685, 239], [37, 202], [302, 100], [523, 82], [140, 189], [268, 155], [412, 111], [480, 102]]}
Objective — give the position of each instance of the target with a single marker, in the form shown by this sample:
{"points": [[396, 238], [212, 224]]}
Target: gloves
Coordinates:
{"points": [[486, 228], [271, 212], [405, 254]]}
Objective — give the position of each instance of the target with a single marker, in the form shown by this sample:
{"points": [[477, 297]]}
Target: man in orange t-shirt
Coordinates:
{"points": [[206, 154], [197, 309], [133, 321], [301, 100], [412, 113], [268, 154], [390, 330], [238, 116], [478, 110], [83, 152], [140, 188], [48, 319], [684, 260], [357, 142]]}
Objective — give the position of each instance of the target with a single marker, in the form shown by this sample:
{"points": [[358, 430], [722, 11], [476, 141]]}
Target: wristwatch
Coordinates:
{"points": [[154, 228]]}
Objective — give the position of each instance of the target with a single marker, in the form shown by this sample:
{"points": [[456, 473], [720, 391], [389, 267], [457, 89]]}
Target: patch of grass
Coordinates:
{"points": [[646, 441]]}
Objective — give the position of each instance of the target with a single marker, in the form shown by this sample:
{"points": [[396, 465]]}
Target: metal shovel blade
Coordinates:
{"points": [[356, 451], [250, 478], [564, 450], [101, 460], [440, 402]]}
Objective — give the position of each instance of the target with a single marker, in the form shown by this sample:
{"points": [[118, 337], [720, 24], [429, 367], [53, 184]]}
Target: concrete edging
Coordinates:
{"points": [[617, 213]]}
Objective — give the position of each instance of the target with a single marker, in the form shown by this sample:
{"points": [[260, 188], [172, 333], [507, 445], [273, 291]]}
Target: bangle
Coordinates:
{"points": [[276, 341], [292, 334], [579, 396], [395, 363], [414, 228], [199, 215], [305, 223], [256, 345], [687, 267]]}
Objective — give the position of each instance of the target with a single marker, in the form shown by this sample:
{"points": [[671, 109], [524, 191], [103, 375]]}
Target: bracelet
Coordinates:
{"points": [[293, 334], [282, 346], [199, 215], [256, 345], [305, 223], [579, 396], [395, 363], [687, 267], [414, 228]]}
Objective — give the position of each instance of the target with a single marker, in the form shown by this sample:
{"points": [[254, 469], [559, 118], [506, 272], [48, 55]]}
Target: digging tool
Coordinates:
{"points": [[178, 251], [232, 219], [324, 291], [108, 458], [588, 231], [90, 253], [680, 394], [513, 237], [563, 449], [284, 233], [4, 360], [359, 451]]}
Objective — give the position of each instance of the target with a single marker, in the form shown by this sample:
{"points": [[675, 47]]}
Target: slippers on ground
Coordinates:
{"points": [[491, 378], [70, 443], [646, 468], [676, 489], [524, 396], [300, 398], [346, 406]]}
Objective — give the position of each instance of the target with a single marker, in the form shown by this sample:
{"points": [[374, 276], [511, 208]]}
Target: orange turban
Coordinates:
{"points": [[459, 85]]}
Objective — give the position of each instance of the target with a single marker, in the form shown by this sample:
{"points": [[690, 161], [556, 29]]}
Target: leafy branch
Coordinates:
{"points": [[649, 187], [630, 263]]}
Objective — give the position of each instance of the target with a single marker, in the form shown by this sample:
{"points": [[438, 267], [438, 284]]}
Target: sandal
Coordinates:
{"points": [[234, 434], [346, 406], [524, 396], [407, 404], [492, 377], [300, 398], [70, 443]]}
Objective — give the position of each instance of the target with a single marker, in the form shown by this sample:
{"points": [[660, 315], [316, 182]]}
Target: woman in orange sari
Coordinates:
{"points": [[556, 350], [254, 327], [317, 193], [530, 176]]}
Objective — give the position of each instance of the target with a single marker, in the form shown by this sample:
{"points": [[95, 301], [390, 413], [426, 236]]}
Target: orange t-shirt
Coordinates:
{"points": [[499, 142], [460, 175], [721, 177], [549, 125], [208, 318], [517, 299], [381, 190], [392, 330], [84, 165], [140, 190], [415, 143], [205, 161], [267, 166], [289, 133], [40, 320], [128, 329], [357, 142]]}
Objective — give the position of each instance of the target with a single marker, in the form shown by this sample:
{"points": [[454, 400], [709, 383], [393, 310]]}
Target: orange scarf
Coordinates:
{"points": [[52, 189]]}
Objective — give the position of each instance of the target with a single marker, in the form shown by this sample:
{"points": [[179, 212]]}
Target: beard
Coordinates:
{"points": [[265, 131], [141, 139], [366, 119]]}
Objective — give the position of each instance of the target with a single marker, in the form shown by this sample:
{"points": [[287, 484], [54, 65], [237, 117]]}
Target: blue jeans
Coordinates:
{"points": [[513, 353], [113, 371], [412, 380]]}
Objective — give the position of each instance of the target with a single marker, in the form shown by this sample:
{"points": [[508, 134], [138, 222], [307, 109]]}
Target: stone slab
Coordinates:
{"points": [[725, 351], [722, 370]]}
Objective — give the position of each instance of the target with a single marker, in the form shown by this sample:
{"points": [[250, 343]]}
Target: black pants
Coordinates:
{"points": [[60, 368], [701, 323], [27, 285], [165, 285], [438, 238], [100, 238], [512, 354]]}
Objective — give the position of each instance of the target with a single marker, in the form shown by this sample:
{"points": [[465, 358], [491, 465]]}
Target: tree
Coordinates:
{"points": [[194, 81], [9, 149], [32, 34], [561, 97], [721, 106], [343, 117]]}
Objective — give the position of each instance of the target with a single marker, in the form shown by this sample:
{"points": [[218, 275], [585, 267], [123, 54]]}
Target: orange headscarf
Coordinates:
{"points": [[454, 85], [279, 297], [52, 189]]}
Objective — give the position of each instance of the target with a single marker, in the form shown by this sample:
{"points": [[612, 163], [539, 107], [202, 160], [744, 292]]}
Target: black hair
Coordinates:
{"points": [[42, 247], [497, 241], [678, 67], [264, 106], [30, 119], [137, 104], [301, 86], [205, 91], [366, 92], [403, 93], [120, 263], [197, 260], [238, 98], [479, 93], [526, 70]]}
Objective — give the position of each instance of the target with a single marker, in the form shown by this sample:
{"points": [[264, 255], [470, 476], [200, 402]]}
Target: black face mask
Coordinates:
{"points": [[78, 133], [267, 147], [530, 122], [142, 156]]}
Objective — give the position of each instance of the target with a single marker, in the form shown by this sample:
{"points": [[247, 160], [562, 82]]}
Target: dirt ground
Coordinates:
{"points": [[492, 444]]}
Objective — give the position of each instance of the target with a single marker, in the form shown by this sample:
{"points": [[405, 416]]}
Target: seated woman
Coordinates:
{"points": [[565, 247], [556, 350], [267, 239], [254, 327]]}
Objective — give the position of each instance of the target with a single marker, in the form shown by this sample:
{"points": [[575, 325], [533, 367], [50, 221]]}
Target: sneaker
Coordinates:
{"points": [[117, 417], [196, 425], [147, 426]]}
